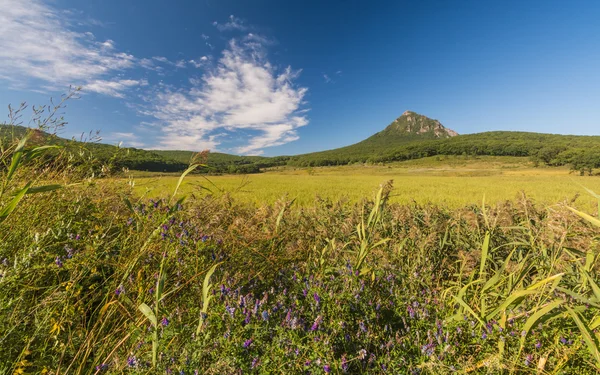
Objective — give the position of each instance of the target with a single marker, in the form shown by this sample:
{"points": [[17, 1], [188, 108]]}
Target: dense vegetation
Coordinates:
{"points": [[226, 163], [582, 153], [96, 280]]}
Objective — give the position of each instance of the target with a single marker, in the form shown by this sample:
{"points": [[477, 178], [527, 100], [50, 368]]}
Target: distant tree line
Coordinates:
{"points": [[581, 153]]}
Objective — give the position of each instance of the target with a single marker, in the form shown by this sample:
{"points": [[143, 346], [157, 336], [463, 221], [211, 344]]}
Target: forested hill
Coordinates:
{"points": [[95, 155], [581, 152]]}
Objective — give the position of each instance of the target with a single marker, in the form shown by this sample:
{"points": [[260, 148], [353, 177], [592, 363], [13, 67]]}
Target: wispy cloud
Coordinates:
{"points": [[199, 63], [126, 139], [327, 79], [113, 88], [234, 23], [243, 92], [241, 96], [38, 46]]}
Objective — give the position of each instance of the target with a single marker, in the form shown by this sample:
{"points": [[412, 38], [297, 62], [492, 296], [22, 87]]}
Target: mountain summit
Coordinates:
{"points": [[414, 124]]}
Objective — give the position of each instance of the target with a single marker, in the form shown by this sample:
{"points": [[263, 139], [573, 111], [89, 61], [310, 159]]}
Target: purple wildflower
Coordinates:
{"points": [[362, 326], [132, 361], [528, 359], [344, 364], [255, 363], [316, 323], [538, 345], [563, 340], [164, 321], [247, 343], [327, 368], [102, 367], [317, 298], [120, 290], [58, 262]]}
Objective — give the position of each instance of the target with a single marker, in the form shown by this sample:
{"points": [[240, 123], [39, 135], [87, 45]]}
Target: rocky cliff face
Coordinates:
{"points": [[411, 123]]}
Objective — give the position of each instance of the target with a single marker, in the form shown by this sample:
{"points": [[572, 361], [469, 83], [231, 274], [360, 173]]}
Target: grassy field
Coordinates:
{"points": [[453, 182], [96, 278]]}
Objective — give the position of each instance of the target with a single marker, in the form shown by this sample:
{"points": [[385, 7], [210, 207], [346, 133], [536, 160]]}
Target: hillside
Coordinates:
{"points": [[144, 160]]}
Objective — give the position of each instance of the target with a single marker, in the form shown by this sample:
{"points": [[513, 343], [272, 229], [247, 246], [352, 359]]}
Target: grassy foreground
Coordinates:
{"points": [[96, 280]]}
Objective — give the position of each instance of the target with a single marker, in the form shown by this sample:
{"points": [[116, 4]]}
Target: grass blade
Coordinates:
{"points": [[587, 336]]}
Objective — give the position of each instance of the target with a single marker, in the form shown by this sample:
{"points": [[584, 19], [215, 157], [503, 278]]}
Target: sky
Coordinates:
{"points": [[271, 77]]}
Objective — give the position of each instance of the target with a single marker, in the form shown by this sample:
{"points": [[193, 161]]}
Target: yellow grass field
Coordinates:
{"points": [[453, 183]]}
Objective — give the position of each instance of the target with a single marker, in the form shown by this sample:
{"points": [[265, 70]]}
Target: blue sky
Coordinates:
{"points": [[285, 77]]}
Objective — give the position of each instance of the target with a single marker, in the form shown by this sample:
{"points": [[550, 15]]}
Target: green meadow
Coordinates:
{"points": [[453, 182]]}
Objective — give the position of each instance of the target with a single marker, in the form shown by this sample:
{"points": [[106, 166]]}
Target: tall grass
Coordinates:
{"points": [[96, 279]]}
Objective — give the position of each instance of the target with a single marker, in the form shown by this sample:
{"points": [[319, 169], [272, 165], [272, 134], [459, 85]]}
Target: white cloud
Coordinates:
{"points": [[326, 78], [113, 88], [234, 23], [37, 45], [202, 61], [243, 92], [125, 139]]}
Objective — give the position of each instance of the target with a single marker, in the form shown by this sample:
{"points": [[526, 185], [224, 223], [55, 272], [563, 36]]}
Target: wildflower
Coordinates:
{"points": [[538, 345], [164, 321], [362, 326], [102, 367], [428, 349], [327, 368], [132, 361], [58, 262], [317, 298], [484, 336], [120, 290], [247, 343], [344, 364], [563, 340], [230, 310], [255, 363], [265, 315], [307, 363], [528, 359], [362, 354], [316, 323]]}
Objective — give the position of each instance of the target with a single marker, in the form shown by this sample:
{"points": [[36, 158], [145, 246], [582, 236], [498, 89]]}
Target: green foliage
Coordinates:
{"points": [[94, 283]]}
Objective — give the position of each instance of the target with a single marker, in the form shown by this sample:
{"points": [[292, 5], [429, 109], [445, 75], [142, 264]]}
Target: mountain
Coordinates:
{"points": [[410, 127], [413, 125]]}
